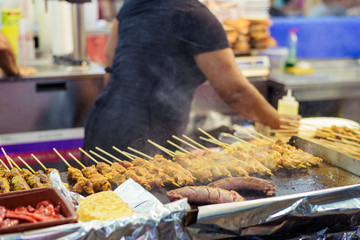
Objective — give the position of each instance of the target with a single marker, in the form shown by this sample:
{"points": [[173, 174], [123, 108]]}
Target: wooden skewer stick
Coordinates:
{"points": [[99, 156], [239, 139], [93, 159], [189, 144], [108, 154], [140, 153], [194, 142], [7, 157], [76, 160], [4, 165], [177, 146], [169, 152], [251, 135], [207, 134], [13, 162], [61, 157], [289, 120], [261, 135], [289, 127], [42, 165], [124, 153], [297, 123], [88, 155], [135, 156], [27, 165], [339, 135], [283, 130], [351, 143], [210, 140]]}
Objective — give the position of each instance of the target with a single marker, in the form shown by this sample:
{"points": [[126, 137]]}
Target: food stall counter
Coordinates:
{"points": [[333, 80]]}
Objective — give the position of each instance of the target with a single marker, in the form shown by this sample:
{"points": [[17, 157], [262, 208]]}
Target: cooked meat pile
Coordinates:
{"points": [[342, 139], [23, 179], [340, 133], [157, 172]]}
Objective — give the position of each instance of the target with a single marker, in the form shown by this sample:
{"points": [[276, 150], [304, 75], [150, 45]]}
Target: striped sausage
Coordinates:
{"points": [[245, 183], [204, 194]]}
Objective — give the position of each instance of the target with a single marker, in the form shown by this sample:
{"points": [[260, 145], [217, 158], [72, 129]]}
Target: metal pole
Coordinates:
{"points": [[79, 56]]}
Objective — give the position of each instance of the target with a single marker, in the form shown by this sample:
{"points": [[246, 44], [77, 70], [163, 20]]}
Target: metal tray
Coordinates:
{"points": [[334, 157]]}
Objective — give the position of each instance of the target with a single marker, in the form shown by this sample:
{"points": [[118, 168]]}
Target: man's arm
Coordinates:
{"points": [[7, 57], [227, 79], [110, 46]]}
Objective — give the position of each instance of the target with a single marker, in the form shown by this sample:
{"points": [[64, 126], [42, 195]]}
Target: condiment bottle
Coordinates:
{"points": [[292, 48], [288, 105], [10, 27]]}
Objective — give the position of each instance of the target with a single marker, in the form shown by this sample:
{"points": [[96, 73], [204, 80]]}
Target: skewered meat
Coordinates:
{"points": [[99, 182], [83, 185], [252, 166], [31, 179], [4, 181], [110, 173], [203, 169], [245, 183], [88, 171], [203, 194], [118, 167], [4, 185], [17, 182], [175, 171], [139, 179], [74, 173], [44, 179], [298, 157]]}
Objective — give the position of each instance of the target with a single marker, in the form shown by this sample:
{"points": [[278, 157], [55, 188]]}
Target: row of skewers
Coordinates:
{"points": [[344, 139], [186, 168], [17, 179]]}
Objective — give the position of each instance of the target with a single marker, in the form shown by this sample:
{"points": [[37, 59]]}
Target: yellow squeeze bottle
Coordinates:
{"points": [[10, 27], [288, 105]]}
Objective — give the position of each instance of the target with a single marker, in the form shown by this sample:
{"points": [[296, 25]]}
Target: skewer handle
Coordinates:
{"points": [[99, 156], [76, 160], [88, 155], [7, 157], [42, 165], [4, 165], [27, 165], [61, 157], [108, 154]]}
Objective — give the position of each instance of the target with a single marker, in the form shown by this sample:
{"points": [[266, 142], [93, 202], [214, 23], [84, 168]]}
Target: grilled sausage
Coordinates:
{"points": [[204, 194], [245, 183]]}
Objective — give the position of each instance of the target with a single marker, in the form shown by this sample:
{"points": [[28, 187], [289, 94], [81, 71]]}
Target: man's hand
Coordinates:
{"points": [[7, 57], [27, 71]]}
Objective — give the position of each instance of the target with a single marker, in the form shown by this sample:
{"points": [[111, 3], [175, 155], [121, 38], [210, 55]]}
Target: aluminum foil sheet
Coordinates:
{"points": [[151, 220], [332, 212]]}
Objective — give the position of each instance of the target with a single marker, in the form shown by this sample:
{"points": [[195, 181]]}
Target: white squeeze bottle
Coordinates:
{"points": [[288, 105]]}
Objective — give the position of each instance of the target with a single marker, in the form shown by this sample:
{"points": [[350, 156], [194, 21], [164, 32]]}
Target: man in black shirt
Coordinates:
{"points": [[159, 51]]}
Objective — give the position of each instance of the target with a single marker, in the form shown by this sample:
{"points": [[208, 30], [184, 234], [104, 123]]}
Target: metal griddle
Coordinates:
{"points": [[337, 170]]}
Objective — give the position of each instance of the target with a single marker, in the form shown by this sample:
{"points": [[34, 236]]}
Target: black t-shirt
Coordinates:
{"points": [[154, 72]]}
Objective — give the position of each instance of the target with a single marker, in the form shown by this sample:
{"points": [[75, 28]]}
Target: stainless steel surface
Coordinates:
{"points": [[57, 97], [336, 158], [333, 79], [333, 90]]}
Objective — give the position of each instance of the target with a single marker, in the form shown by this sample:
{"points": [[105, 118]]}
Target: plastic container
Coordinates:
{"points": [[292, 48], [288, 105], [32, 197]]}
